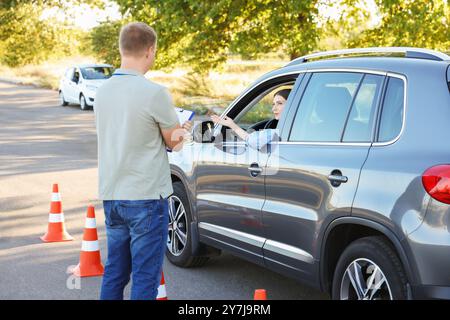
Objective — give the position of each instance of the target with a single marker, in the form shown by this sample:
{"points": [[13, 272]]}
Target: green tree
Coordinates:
{"points": [[203, 33], [24, 38], [104, 41], [417, 23], [353, 20], [7, 4], [27, 38]]}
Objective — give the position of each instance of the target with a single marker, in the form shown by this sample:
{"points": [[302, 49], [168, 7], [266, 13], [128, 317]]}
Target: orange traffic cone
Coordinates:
{"points": [[56, 230], [162, 295], [90, 262], [260, 294]]}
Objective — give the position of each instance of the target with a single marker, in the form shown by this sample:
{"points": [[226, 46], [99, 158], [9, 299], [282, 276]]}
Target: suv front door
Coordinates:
{"points": [[228, 197], [325, 141], [73, 86]]}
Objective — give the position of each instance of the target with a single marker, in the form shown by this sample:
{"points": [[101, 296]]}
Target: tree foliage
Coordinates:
{"points": [[27, 38], [7, 4], [413, 23], [24, 38], [104, 42], [203, 33]]}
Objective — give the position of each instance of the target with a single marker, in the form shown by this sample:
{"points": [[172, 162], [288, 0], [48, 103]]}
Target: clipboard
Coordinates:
{"points": [[184, 115]]}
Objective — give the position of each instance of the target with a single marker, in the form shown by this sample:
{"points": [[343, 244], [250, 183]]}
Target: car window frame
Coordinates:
{"points": [[350, 108], [258, 98], [291, 113], [376, 112], [381, 106], [252, 93]]}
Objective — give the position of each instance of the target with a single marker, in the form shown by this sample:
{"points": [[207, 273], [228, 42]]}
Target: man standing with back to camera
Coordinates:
{"points": [[136, 122]]}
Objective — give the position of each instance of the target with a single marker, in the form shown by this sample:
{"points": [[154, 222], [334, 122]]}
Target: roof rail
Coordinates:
{"points": [[409, 52]]}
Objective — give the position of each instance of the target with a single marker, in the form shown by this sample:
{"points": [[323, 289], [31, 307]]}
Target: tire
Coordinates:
{"points": [[182, 257], [62, 102], [83, 104], [366, 254]]}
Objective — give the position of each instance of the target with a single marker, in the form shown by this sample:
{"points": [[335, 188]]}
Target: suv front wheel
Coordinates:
{"points": [[369, 269], [83, 104], [179, 242]]}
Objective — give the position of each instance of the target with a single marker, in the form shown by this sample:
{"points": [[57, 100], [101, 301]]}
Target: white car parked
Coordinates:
{"points": [[80, 83]]}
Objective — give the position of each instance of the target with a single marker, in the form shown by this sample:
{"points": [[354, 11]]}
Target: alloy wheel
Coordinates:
{"points": [[83, 103], [178, 231], [364, 280]]}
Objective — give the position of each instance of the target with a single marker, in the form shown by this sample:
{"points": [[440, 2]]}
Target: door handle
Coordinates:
{"points": [[255, 169], [341, 179], [336, 178]]}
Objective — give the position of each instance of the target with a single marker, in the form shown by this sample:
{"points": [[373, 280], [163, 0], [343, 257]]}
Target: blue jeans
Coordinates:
{"points": [[137, 236]]}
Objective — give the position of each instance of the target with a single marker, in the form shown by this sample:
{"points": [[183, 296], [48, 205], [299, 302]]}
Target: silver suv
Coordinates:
{"points": [[353, 199]]}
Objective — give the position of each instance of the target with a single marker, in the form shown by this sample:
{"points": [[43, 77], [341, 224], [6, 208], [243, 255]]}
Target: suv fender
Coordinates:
{"points": [[198, 249], [400, 249]]}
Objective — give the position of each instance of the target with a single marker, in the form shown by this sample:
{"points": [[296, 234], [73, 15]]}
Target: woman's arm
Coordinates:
{"points": [[228, 122]]}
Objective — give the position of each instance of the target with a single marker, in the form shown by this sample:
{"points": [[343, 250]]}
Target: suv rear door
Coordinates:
{"points": [[313, 174]]}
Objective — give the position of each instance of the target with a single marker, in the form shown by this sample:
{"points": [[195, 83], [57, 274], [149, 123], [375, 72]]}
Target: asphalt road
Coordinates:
{"points": [[42, 143]]}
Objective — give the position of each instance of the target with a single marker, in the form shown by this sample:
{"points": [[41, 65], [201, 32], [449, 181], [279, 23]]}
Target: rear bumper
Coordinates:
{"points": [[430, 246], [431, 292]]}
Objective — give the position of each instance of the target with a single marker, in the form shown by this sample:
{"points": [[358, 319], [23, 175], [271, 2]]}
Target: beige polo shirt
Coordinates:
{"points": [[132, 157]]}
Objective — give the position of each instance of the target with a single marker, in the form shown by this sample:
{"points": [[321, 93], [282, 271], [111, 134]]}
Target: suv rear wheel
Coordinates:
{"points": [[179, 242], [369, 269], [62, 101]]}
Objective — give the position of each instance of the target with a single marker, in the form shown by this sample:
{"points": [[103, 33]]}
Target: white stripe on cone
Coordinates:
{"points": [[89, 246], [56, 197], [161, 291], [90, 223], [56, 217]]}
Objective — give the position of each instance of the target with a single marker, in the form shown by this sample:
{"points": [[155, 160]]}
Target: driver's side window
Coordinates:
{"points": [[266, 107], [262, 111]]}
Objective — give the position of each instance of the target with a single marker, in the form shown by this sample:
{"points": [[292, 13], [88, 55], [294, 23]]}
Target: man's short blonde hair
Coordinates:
{"points": [[135, 38]]}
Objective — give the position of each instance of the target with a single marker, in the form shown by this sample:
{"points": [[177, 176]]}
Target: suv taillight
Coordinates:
{"points": [[436, 181]]}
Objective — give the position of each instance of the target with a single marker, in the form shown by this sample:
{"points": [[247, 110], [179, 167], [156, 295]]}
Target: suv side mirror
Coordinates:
{"points": [[204, 132]]}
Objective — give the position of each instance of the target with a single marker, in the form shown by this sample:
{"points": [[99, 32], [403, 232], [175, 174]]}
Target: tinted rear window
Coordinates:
{"points": [[360, 122], [392, 113], [448, 77], [324, 107]]}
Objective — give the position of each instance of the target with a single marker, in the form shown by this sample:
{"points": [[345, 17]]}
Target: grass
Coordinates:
{"points": [[212, 93], [203, 94]]}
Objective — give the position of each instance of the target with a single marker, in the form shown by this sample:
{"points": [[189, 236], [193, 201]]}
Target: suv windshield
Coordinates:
{"points": [[92, 73]]}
